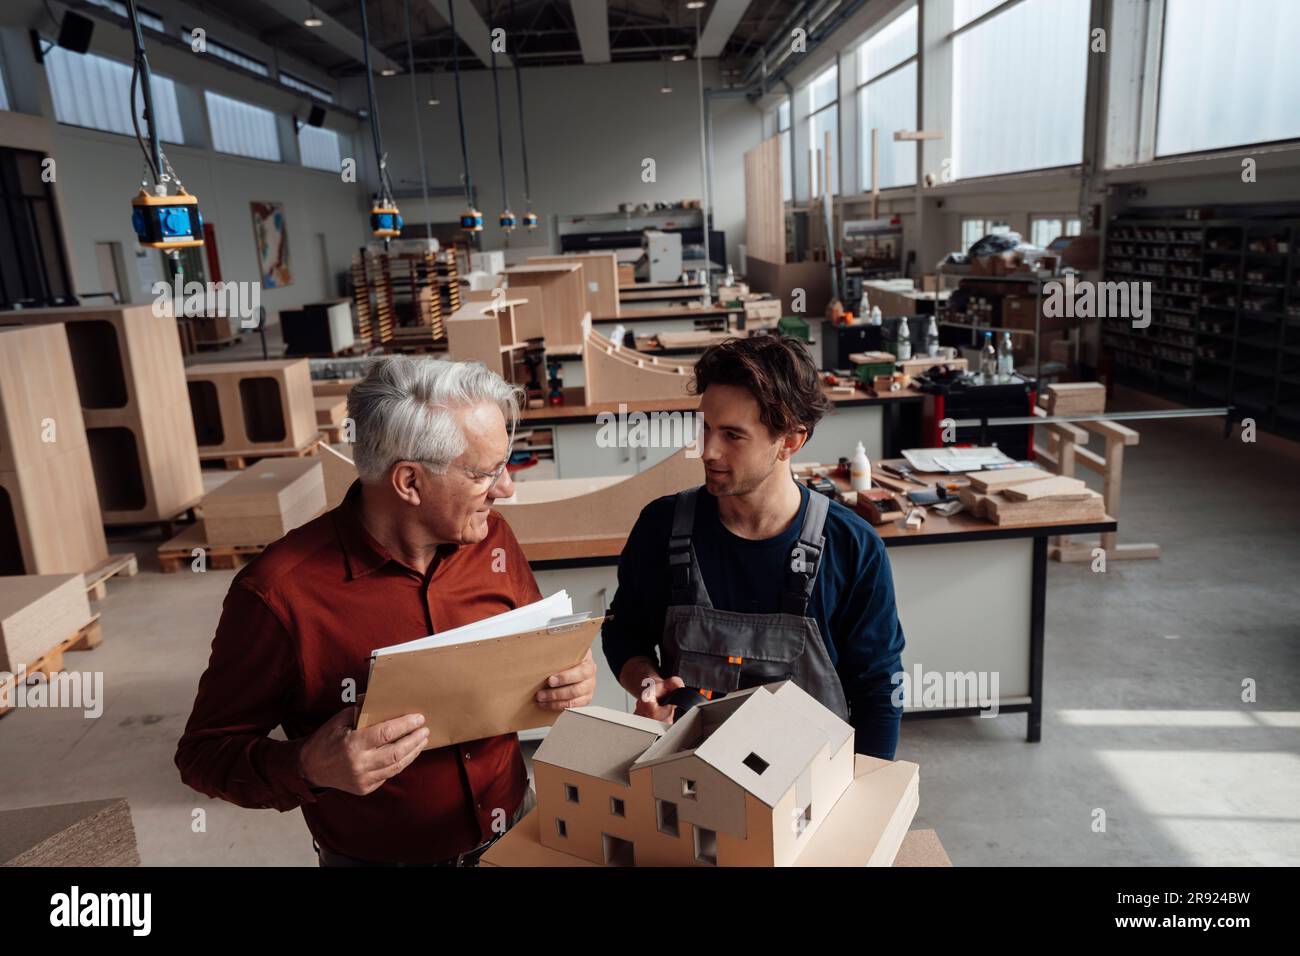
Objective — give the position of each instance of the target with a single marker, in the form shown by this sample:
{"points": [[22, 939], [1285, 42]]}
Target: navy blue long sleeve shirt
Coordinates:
{"points": [[852, 600]]}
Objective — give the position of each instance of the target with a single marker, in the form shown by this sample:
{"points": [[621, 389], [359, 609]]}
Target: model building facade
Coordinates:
{"points": [[744, 780]]}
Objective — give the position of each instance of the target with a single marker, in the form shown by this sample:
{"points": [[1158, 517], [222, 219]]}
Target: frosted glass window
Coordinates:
{"points": [[1043, 231], [973, 230], [320, 148], [889, 47], [4, 90], [964, 11], [241, 128], [291, 81], [787, 174], [229, 54], [824, 89], [888, 105], [148, 19], [1006, 126], [783, 116], [1228, 74], [827, 121], [92, 91]]}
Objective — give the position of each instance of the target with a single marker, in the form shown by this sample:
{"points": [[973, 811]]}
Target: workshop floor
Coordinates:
{"points": [[1144, 715]]}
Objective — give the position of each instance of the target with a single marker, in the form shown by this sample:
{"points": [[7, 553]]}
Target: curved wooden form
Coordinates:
{"points": [[615, 373], [574, 509]]}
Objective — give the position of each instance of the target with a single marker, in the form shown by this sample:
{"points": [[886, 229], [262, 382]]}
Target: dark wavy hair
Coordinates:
{"points": [[777, 371]]}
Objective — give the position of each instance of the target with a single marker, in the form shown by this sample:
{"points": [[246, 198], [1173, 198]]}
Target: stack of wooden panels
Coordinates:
{"points": [[1075, 398], [92, 833], [265, 502], [130, 380], [38, 612], [1030, 496], [50, 520], [252, 408], [448, 284], [362, 304]]}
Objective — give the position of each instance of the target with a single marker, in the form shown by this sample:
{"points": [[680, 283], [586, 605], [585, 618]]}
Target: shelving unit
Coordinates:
{"points": [[1225, 313]]}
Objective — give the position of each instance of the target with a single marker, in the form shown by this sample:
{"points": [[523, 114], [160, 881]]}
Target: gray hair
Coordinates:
{"points": [[403, 409]]}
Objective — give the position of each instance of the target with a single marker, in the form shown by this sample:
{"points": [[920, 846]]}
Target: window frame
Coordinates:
{"points": [[809, 121], [864, 151]]}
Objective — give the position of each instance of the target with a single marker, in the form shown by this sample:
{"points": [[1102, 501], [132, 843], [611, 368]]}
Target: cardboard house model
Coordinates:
{"points": [[744, 780]]}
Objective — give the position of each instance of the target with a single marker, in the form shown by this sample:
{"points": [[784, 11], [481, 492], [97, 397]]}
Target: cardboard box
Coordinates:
{"points": [[38, 612], [265, 502]]}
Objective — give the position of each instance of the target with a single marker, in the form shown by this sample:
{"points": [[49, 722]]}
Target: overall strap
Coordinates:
{"points": [[682, 571], [805, 557]]}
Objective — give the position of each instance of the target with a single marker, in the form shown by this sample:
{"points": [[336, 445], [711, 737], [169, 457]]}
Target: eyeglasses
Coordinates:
{"points": [[493, 476]]}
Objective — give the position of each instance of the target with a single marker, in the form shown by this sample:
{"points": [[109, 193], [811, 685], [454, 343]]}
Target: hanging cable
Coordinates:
{"points": [[471, 220], [415, 108], [507, 220], [530, 217], [385, 220]]}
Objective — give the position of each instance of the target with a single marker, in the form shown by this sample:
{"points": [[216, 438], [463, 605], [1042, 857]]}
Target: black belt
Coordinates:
{"points": [[468, 858]]}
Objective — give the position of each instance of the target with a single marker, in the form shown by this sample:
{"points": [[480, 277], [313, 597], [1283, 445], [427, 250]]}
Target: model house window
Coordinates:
{"points": [[291, 81], [1046, 229], [93, 91], [887, 102], [973, 230], [616, 807], [802, 820], [570, 793], [688, 788], [824, 117], [242, 128], [755, 763], [666, 817], [320, 148], [706, 846], [1225, 74], [998, 130], [229, 54], [561, 828]]}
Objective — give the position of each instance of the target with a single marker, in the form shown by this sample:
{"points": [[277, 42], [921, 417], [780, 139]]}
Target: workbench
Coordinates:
{"points": [[971, 596], [660, 292], [882, 423]]}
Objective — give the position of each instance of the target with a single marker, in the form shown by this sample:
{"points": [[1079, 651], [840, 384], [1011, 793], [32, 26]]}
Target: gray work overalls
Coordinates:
{"points": [[722, 651]]}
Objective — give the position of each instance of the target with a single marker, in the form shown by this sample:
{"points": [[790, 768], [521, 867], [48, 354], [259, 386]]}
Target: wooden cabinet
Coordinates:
{"points": [[246, 408]]}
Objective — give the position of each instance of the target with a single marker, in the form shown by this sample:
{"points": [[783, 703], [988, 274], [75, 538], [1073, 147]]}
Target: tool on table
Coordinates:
{"points": [[915, 518], [902, 471]]}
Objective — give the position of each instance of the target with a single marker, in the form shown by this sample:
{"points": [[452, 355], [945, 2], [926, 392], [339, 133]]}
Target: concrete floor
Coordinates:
{"points": [[1144, 717]]}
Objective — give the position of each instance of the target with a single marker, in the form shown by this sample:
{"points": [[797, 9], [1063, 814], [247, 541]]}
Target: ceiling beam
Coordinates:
{"points": [[333, 33], [723, 19], [591, 20], [472, 30]]}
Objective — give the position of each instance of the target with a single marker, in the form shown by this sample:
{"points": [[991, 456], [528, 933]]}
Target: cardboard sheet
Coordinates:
{"points": [[475, 690]]}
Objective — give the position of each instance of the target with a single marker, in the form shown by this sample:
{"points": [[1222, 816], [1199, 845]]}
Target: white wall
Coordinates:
{"points": [[589, 128]]}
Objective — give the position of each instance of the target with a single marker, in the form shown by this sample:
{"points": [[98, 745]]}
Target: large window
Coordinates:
{"points": [[783, 130], [291, 81], [148, 18], [1228, 74], [32, 269], [242, 129], [824, 117], [1001, 124], [320, 148], [227, 53], [93, 91], [1043, 230], [887, 102], [973, 230]]}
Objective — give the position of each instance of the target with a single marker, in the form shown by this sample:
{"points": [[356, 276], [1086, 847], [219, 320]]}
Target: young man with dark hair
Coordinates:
{"points": [[753, 578]]}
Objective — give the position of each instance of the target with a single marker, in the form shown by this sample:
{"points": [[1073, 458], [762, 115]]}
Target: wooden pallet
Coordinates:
{"points": [[86, 639], [178, 553], [240, 462], [114, 564]]}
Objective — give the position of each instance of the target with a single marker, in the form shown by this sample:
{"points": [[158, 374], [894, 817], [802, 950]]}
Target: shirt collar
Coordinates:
{"points": [[361, 551]]}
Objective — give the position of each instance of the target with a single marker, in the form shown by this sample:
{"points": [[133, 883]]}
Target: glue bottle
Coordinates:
{"points": [[860, 469]]}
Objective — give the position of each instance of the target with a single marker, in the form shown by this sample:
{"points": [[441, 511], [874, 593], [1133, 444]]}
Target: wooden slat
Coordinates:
{"points": [[764, 207]]}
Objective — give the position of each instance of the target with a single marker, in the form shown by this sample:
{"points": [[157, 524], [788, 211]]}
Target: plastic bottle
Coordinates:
{"points": [[875, 315], [932, 339], [860, 469], [903, 348], [1006, 358], [988, 360]]}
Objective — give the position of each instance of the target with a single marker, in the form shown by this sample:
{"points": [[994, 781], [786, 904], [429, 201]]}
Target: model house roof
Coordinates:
{"points": [[762, 738], [598, 742]]}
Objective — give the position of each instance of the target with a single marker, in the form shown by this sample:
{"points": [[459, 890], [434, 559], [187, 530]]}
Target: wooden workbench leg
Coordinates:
{"points": [[1037, 625], [1065, 467], [1110, 490]]}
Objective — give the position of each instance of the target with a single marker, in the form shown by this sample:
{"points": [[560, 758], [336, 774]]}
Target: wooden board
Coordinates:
{"points": [[1076, 398], [564, 297], [1002, 511], [338, 472], [265, 502], [764, 206], [37, 613], [599, 275], [330, 409], [91, 833], [530, 312], [1002, 477], [613, 374], [130, 377], [1058, 488]]}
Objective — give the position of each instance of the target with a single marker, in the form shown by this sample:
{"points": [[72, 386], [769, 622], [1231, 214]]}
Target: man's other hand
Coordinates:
{"points": [[571, 688], [359, 761], [653, 690]]}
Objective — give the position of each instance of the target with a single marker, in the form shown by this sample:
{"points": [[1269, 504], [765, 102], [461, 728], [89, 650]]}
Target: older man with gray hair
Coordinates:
{"points": [[415, 548]]}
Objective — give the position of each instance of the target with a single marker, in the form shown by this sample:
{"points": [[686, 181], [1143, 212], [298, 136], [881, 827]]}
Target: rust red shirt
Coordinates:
{"points": [[296, 624]]}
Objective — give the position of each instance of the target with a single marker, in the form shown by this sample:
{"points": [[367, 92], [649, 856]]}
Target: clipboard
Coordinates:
{"points": [[477, 689]]}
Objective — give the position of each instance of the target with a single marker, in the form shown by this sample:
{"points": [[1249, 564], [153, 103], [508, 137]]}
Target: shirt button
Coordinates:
{"points": [[467, 756]]}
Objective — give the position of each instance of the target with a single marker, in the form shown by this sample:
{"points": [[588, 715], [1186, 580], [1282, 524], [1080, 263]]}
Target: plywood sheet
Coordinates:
{"points": [[265, 501], [599, 276], [37, 613], [764, 207]]}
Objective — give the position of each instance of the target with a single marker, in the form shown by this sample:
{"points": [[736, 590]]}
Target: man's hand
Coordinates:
{"points": [[359, 761], [653, 690], [571, 688]]}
